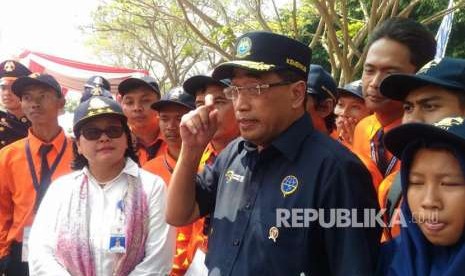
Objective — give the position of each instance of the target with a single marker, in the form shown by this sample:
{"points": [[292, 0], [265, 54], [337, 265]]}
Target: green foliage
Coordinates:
{"points": [[71, 105]]}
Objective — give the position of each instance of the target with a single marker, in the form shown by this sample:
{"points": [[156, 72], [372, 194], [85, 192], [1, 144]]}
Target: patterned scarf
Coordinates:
{"points": [[73, 250]]}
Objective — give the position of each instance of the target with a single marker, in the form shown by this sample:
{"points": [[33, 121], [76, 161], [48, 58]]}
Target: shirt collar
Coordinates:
{"points": [[141, 145], [289, 141], [130, 168], [35, 142]]}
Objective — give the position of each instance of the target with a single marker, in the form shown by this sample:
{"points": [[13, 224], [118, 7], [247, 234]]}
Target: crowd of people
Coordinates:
{"points": [[209, 178]]}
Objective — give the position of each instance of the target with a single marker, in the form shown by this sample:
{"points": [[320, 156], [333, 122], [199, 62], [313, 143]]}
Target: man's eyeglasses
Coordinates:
{"points": [[93, 133], [231, 92]]}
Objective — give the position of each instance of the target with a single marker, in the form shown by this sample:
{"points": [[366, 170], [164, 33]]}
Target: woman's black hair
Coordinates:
{"points": [[79, 161]]}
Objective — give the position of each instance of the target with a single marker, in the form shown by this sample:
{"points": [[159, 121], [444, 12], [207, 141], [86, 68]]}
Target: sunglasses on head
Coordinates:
{"points": [[93, 133]]}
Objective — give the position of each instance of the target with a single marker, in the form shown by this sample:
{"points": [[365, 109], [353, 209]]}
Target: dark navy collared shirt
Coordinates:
{"points": [[12, 128], [302, 168]]}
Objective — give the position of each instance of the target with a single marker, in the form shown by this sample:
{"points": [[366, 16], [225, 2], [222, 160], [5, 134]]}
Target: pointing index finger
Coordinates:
{"points": [[209, 101]]}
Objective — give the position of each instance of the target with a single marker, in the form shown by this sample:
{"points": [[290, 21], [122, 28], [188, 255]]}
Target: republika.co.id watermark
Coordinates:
{"points": [[340, 218]]}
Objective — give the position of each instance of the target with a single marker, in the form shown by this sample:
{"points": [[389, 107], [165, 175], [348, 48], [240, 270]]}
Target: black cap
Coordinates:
{"points": [[265, 52], [353, 89], [176, 96], [135, 82], [199, 82], [95, 91], [320, 83], [449, 131], [35, 79], [12, 68], [97, 81], [95, 107], [448, 73]]}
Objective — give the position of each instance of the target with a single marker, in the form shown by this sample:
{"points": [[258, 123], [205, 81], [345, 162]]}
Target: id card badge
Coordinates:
{"points": [[117, 243], [25, 247]]}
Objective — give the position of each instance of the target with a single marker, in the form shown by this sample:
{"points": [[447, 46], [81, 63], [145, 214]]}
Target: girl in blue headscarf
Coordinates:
{"points": [[432, 241]]}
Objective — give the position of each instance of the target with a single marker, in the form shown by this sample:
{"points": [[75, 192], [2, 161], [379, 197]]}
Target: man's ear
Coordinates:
{"points": [[325, 108], [299, 92], [61, 102], [119, 98]]}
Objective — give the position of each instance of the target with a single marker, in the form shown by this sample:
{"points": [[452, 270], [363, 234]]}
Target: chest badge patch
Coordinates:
{"points": [[273, 233], [230, 176], [289, 185]]}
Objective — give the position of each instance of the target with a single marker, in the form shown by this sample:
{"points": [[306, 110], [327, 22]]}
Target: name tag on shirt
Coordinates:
{"points": [[117, 243]]}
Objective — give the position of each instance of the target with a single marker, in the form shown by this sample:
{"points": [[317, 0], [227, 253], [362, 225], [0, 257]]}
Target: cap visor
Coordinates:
{"points": [[400, 137], [195, 83], [131, 83], [397, 86], [22, 82], [342, 91], [225, 70], [163, 103], [77, 125]]}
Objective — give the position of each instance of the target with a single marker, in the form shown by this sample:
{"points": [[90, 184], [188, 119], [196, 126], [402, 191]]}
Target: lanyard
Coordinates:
{"points": [[32, 169], [167, 166], [375, 159]]}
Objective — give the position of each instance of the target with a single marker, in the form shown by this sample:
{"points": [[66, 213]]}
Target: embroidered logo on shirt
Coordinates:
{"points": [[289, 185], [230, 175]]}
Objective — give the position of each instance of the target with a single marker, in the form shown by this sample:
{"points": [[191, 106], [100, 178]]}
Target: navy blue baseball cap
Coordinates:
{"points": [[200, 82], [266, 52], [448, 131], [96, 106], [176, 96], [21, 83], [135, 82], [14, 69], [320, 83], [353, 89], [448, 73]]}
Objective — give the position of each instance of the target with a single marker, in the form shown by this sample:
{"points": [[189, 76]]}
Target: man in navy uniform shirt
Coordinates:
{"points": [[280, 162], [13, 122]]}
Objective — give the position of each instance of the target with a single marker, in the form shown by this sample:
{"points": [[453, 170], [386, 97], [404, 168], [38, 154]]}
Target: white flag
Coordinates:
{"points": [[442, 37]]}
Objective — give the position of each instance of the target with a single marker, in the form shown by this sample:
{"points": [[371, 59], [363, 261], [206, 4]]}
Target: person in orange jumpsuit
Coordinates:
{"points": [[29, 165], [136, 96], [398, 45], [170, 109], [437, 91], [350, 109]]}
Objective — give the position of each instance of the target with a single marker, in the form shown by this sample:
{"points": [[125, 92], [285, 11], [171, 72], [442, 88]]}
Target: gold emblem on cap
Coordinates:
{"points": [[449, 122], [243, 47], [258, 66], [9, 66], [34, 75], [97, 106], [297, 64], [96, 91], [273, 233], [96, 103]]}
